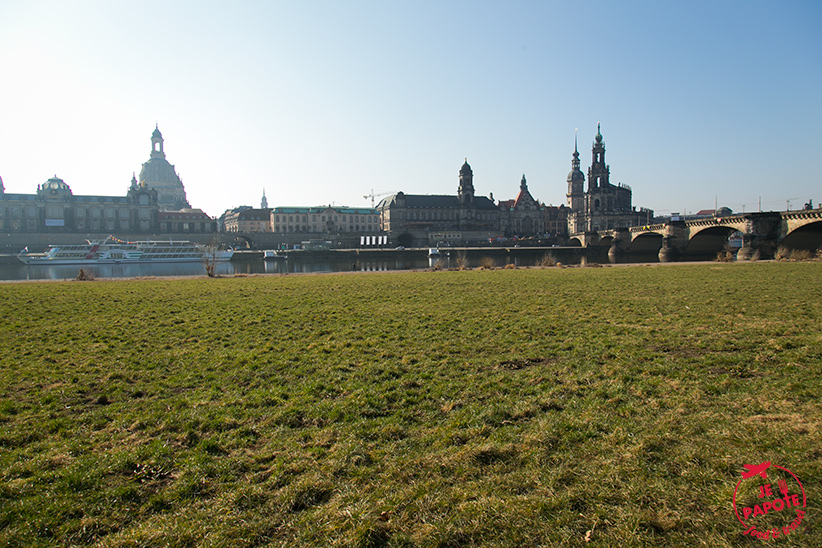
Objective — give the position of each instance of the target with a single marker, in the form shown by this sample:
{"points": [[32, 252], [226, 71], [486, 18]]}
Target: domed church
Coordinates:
{"points": [[159, 174]]}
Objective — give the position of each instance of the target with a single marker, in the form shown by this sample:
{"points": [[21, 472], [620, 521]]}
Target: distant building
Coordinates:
{"points": [[709, 213], [160, 175], [250, 220], [325, 220], [415, 219], [54, 208], [522, 216], [228, 221], [155, 204], [555, 219], [318, 221], [603, 206], [186, 220]]}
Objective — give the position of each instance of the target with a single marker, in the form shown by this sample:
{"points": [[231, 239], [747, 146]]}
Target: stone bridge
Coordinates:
{"points": [[761, 235]]}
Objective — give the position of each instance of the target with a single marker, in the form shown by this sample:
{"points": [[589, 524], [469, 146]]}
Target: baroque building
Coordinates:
{"points": [[604, 206], [319, 221], [325, 220], [155, 204], [157, 173], [56, 209], [416, 219], [522, 216]]}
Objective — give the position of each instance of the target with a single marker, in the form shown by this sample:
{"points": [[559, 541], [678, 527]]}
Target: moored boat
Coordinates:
{"points": [[271, 255], [115, 251]]}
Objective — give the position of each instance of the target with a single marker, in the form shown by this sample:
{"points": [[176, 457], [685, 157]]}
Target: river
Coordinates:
{"points": [[11, 269]]}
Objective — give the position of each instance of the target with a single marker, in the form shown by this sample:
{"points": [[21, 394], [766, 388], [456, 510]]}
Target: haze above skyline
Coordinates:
{"points": [[320, 102]]}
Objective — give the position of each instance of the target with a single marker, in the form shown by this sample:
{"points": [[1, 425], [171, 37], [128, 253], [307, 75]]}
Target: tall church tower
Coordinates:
{"points": [[576, 194], [576, 182], [264, 201], [599, 173], [466, 188]]}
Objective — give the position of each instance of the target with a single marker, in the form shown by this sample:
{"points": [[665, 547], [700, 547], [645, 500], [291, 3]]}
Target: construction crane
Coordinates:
{"points": [[372, 196]]}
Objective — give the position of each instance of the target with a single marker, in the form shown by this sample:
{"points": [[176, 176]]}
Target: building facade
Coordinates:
{"points": [[325, 220], [56, 209], [155, 204], [555, 219], [603, 206], [319, 221], [414, 219], [186, 221], [248, 219], [523, 216]]}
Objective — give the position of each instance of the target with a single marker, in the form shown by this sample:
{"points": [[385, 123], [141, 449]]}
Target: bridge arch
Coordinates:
{"points": [[708, 242], [647, 242], [242, 241], [405, 240], [574, 242], [805, 237]]}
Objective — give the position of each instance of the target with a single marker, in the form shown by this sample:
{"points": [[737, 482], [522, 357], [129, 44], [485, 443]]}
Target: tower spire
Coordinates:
{"points": [[598, 173]]}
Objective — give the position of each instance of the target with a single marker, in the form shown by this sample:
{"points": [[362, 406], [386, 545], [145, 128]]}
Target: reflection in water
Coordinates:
{"points": [[19, 271], [295, 264]]}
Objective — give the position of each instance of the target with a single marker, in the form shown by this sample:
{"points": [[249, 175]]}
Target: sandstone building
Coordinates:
{"points": [[155, 204], [415, 219], [603, 206], [316, 222], [522, 216], [55, 209], [159, 174]]}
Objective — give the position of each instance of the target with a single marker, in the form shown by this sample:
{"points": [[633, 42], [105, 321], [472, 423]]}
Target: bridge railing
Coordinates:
{"points": [[648, 228]]}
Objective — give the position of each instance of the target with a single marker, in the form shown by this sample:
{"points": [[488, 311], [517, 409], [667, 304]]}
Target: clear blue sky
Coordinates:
{"points": [[320, 102]]}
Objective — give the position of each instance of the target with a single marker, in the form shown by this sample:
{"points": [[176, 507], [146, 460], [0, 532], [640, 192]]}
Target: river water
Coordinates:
{"points": [[13, 269]]}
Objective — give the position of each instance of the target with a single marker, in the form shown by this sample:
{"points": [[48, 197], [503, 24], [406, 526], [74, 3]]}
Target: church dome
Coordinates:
{"points": [[156, 133], [465, 169], [158, 174], [159, 170], [55, 183]]}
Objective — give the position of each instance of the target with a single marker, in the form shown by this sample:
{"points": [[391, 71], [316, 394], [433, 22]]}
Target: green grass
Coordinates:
{"points": [[427, 409]]}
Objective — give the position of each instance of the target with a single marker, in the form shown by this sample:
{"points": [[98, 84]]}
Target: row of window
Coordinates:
{"points": [[53, 212], [305, 228], [81, 224], [177, 218], [124, 225], [354, 218], [187, 227], [283, 228], [436, 215]]}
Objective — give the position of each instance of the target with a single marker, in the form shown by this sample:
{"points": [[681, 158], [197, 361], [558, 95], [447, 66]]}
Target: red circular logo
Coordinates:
{"points": [[769, 505]]}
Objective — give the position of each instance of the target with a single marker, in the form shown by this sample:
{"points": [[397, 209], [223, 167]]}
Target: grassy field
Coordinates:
{"points": [[536, 407]]}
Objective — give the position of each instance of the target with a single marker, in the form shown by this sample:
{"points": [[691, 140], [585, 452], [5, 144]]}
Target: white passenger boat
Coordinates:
{"points": [[115, 251]]}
